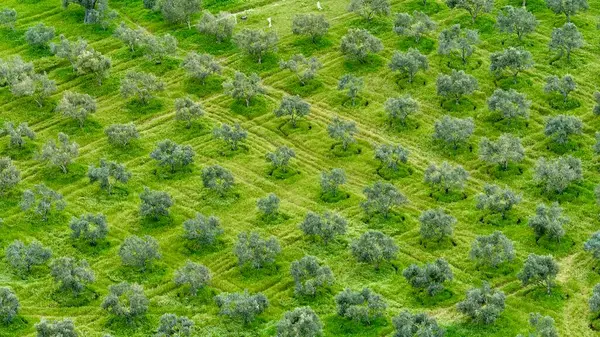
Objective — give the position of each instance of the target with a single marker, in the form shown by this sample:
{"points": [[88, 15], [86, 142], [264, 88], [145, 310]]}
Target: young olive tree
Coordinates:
{"points": [[362, 306], [502, 151], [256, 42], [268, 206], [548, 221], [17, 134], [219, 26], [95, 10], [133, 38], [22, 257], [515, 60], [39, 35], [358, 43], [42, 201], [139, 252], [141, 85], [509, 104], [539, 269], [496, 200], [456, 85], [202, 230], [391, 156], [15, 70], [352, 84], [121, 134], [446, 177], [310, 275], [107, 174], [90, 61], [77, 106], [10, 175], [218, 179], [409, 63], [565, 39], [8, 17], [60, 154], [567, 7], [399, 108], [126, 300], [516, 20], [255, 251], [381, 198], [89, 227], [430, 278], [369, 9], [594, 301], [455, 40], [415, 25], [294, 107], [301, 321], [157, 48], [62, 328], [38, 86], [180, 11], [543, 326], [231, 135], [172, 155], [453, 131], [483, 305], [243, 306], [492, 250], [473, 7], [313, 25], [563, 86], [592, 245], [9, 305], [171, 325], [343, 131], [374, 247], [154, 203], [244, 87], [72, 274], [436, 224], [560, 127], [280, 158], [196, 276], [200, 66], [556, 175], [331, 181], [304, 68], [326, 226], [416, 325]]}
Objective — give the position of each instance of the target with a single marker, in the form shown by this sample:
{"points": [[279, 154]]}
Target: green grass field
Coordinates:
{"points": [[300, 193]]}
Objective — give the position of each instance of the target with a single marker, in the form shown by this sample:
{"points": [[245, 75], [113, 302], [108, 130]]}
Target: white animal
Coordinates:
{"points": [[319, 5], [269, 19]]}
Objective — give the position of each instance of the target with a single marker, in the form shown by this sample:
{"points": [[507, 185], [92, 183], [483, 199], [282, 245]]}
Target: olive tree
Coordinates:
{"points": [[121, 134], [416, 325], [196, 276], [255, 251], [243, 305], [436, 224], [415, 25], [492, 250], [95, 10], [342, 131], [107, 174], [381, 198], [592, 245], [352, 84], [72, 274], [565, 39], [374, 247], [358, 43], [563, 86], [594, 301], [368, 9], [399, 108], [515, 60], [9, 305], [391, 155], [331, 181], [548, 221], [38, 86], [8, 17], [218, 179], [89, 227], [139, 252], [231, 135], [596, 109], [90, 61], [244, 87], [10, 175], [280, 158], [313, 25], [200, 66], [17, 134], [22, 257], [556, 175], [268, 206], [172, 155], [456, 85], [42, 201], [567, 7], [171, 325], [446, 177], [39, 35], [473, 7], [133, 38], [304, 68], [409, 63], [542, 325], [509, 104], [180, 11], [502, 151], [220, 26], [154, 203], [326, 226], [483, 305], [57, 328], [157, 48], [362, 306], [310, 275], [77, 106], [202, 230], [496, 200], [300, 322], [126, 300], [14, 70], [455, 40], [539, 269], [431, 277], [256, 42], [516, 20], [453, 131], [141, 85], [560, 127], [293, 107]]}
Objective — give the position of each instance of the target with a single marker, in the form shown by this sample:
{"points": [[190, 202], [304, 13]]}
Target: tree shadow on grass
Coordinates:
{"points": [[340, 326], [136, 108], [120, 327], [211, 85], [66, 298], [258, 107], [391, 174], [425, 45], [308, 48], [55, 177], [154, 274], [337, 150], [372, 63]]}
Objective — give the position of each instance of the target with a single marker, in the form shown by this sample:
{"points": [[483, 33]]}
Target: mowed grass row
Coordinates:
{"points": [[300, 193]]}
